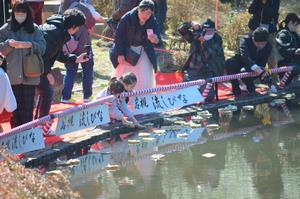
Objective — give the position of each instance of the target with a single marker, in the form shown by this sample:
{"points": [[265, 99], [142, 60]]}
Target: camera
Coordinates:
{"points": [[199, 33]]}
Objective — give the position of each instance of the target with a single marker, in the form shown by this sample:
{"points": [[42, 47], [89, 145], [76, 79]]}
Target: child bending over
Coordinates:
{"points": [[118, 109]]}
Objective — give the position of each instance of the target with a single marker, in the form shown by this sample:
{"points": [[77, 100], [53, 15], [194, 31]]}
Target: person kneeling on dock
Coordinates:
{"points": [[118, 109], [206, 56], [253, 55]]}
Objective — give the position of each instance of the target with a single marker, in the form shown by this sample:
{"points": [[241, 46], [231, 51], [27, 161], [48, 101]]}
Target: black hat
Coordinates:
{"points": [[260, 34], [208, 24], [147, 4]]}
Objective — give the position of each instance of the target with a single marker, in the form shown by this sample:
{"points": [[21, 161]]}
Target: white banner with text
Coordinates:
{"points": [[86, 118], [152, 103], [25, 141]]}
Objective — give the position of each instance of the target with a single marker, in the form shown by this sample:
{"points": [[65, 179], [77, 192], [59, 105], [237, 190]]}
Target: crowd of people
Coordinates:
{"points": [[137, 27], [261, 48]]}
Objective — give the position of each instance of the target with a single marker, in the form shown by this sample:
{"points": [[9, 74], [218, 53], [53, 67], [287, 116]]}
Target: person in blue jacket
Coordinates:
{"points": [[133, 50]]}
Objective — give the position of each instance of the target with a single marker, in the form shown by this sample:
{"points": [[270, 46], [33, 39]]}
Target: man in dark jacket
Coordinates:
{"points": [[253, 56], [264, 13], [57, 31]]}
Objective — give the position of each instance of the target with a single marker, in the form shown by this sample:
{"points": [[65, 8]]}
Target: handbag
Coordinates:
{"points": [[132, 57], [33, 65]]}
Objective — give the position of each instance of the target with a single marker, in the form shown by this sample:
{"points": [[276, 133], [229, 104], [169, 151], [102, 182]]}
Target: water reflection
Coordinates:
{"points": [[122, 153], [254, 161], [235, 180], [291, 181]]}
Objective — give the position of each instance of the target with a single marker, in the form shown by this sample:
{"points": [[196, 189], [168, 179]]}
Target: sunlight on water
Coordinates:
{"points": [[251, 161]]}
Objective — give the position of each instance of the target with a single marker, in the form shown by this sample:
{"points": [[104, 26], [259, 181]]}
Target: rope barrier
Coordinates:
{"points": [[206, 90], [83, 106], [165, 88], [200, 82], [156, 49], [287, 112], [25, 127], [50, 117], [101, 36], [248, 74], [284, 79]]}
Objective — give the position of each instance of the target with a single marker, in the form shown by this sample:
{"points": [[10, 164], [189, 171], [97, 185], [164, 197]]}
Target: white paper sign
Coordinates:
{"points": [[25, 141], [151, 103], [86, 118]]}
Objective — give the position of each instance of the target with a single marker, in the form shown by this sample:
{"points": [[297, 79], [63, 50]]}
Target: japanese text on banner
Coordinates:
{"points": [[82, 119], [151, 103], [25, 141]]}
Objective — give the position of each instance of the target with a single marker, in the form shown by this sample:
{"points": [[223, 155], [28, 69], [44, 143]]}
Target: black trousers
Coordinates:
{"points": [[234, 66], [45, 92], [25, 100]]}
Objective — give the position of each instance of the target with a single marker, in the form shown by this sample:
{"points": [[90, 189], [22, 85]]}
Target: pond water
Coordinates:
{"points": [[243, 159]]}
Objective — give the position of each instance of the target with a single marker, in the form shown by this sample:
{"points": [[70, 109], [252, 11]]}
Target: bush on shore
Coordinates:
{"points": [[19, 182]]}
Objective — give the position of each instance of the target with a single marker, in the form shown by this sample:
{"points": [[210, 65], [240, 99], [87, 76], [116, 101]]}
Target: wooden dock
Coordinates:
{"points": [[74, 143]]}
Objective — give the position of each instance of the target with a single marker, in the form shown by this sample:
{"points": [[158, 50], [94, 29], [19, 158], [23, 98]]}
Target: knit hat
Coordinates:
{"points": [[147, 4], [260, 34], [208, 24]]}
